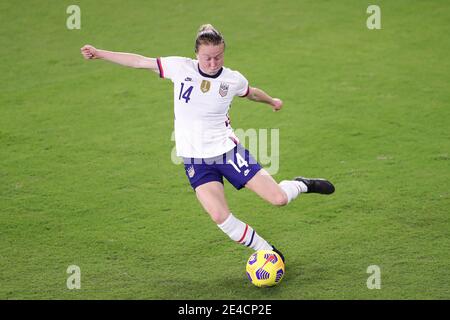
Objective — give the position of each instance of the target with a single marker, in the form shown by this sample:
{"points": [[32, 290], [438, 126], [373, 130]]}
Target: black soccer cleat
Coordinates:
{"points": [[315, 185], [278, 251]]}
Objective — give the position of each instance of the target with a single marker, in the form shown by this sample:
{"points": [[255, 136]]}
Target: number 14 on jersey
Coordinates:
{"points": [[186, 95]]}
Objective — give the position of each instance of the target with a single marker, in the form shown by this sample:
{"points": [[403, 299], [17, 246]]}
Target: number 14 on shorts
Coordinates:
{"points": [[240, 163]]}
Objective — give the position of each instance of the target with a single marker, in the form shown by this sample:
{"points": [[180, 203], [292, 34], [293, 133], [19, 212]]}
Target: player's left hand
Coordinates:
{"points": [[276, 104]]}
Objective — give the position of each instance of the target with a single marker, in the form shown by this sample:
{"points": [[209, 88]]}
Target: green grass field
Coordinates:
{"points": [[86, 176]]}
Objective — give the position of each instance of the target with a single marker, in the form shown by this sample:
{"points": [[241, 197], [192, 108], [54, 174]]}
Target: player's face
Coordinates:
{"points": [[210, 58]]}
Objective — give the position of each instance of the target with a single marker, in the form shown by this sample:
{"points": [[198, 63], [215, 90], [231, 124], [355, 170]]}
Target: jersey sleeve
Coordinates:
{"points": [[169, 67], [242, 86]]}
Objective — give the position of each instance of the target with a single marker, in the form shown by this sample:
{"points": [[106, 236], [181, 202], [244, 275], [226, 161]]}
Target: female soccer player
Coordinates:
{"points": [[203, 92]]}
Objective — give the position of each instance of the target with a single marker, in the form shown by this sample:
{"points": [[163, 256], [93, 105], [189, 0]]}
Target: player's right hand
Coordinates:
{"points": [[276, 104], [89, 52]]}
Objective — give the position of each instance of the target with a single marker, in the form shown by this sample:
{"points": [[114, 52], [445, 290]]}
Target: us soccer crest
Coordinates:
{"points": [[205, 86], [223, 90], [191, 171]]}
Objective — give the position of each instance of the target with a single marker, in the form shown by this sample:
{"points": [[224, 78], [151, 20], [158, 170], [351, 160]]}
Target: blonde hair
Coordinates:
{"points": [[207, 34]]}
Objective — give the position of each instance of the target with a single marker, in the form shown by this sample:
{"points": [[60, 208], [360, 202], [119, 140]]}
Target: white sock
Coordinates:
{"points": [[243, 234], [293, 188]]}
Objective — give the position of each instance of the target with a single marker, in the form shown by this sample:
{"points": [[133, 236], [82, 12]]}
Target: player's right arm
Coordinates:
{"points": [[125, 59]]}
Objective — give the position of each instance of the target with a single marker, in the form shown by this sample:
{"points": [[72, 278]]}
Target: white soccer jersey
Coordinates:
{"points": [[201, 103]]}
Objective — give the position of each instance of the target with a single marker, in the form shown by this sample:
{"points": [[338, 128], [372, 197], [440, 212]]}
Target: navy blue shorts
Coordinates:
{"points": [[237, 165]]}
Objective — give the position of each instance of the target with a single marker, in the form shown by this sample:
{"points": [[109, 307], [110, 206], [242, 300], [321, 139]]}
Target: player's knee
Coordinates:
{"points": [[219, 217], [279, 199]]}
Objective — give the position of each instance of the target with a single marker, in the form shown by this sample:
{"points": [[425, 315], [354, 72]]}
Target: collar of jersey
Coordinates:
{"points": [[207, 75]]}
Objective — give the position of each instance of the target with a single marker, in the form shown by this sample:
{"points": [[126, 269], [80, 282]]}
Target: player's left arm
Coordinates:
{"points": [[259, 95]]}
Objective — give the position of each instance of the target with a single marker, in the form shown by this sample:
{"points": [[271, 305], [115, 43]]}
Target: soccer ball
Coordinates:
{"points": [[265, 268]]}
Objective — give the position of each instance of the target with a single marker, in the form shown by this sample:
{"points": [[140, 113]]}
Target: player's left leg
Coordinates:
{"points": [[267, 188], [287, 190], [242, 170]]}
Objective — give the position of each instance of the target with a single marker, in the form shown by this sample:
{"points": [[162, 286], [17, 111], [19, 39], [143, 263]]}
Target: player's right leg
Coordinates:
{"points": [[211, 195], [207, 181]]}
